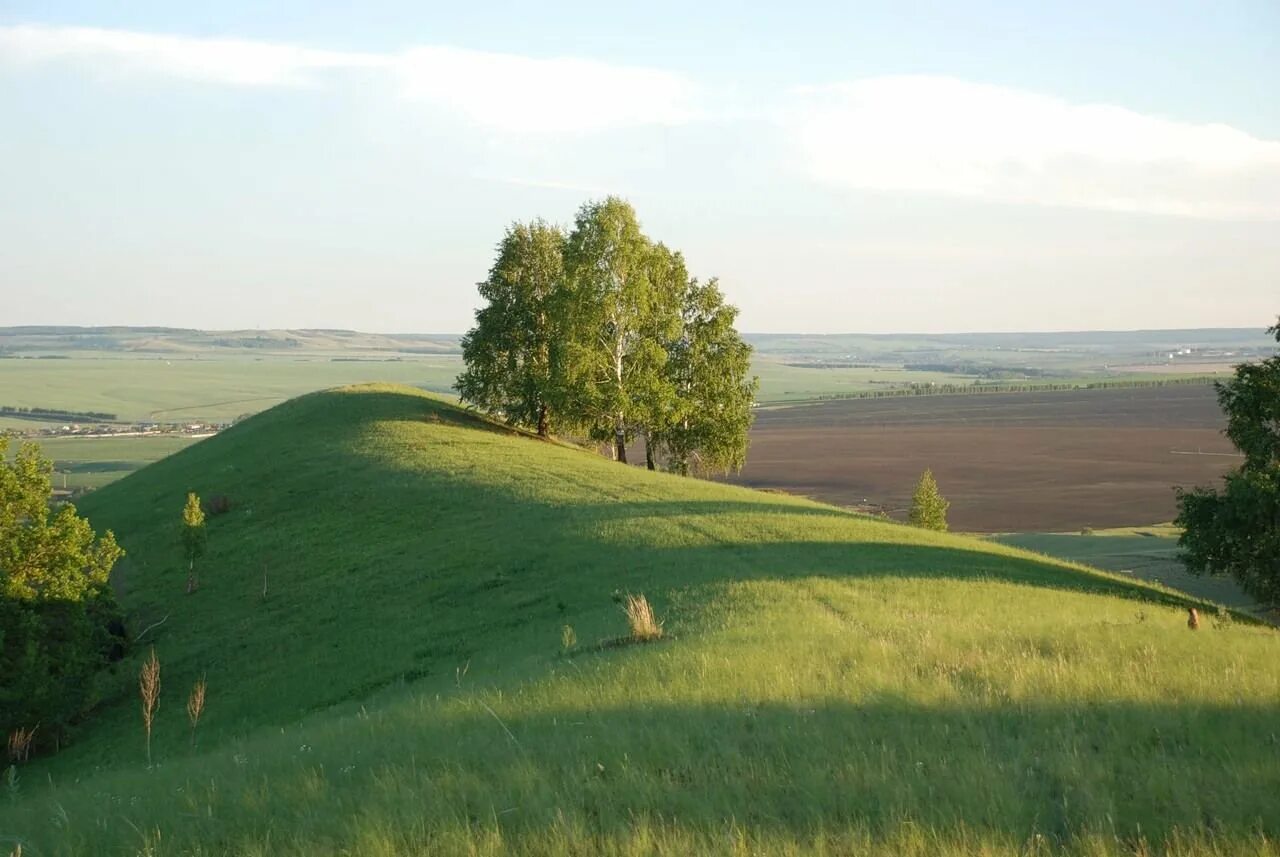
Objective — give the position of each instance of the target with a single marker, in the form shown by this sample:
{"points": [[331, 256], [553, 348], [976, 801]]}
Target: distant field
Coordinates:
{"points": [[1146, 553], [212, 389], [1035, 462], [94, 462], [780, 382]]}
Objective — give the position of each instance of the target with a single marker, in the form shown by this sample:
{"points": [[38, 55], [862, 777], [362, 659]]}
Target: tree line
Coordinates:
{"points": [[54, 413], [600, 332], [980, 388]]}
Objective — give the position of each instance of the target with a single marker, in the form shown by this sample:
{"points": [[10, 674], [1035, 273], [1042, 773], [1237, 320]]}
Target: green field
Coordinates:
{"points": [[91, 462], [205, 389], [828, 683], [1146, 553]]}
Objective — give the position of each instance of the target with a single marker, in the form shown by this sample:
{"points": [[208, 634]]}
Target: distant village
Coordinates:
{"points": [[195, 430]]}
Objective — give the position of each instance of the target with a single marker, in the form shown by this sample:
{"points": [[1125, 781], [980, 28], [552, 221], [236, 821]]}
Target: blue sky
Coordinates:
{"points": [[841, 166]]}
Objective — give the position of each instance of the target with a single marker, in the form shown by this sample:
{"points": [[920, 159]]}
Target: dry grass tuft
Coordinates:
{"points": [[645, 628], [149, 690], [20, 743], [195, 706]]}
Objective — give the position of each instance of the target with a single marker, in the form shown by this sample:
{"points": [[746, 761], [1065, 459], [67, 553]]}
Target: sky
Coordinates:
{"points": [[968, 165]]}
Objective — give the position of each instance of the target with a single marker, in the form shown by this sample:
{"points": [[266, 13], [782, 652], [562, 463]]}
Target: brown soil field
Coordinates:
{"points": [[1016, 462]]}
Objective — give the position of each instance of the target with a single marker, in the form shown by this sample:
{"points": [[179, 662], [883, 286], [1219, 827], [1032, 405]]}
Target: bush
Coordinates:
{"points": [[928, 508], [59, 623]]}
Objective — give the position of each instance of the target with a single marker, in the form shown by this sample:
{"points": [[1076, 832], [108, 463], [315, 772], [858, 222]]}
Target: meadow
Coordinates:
{"points": [[91, 462], [827, 682]]}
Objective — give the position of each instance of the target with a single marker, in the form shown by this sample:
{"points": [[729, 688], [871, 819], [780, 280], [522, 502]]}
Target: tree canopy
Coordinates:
{"points": [[602, 332], [1236, 531], [515, 353]]}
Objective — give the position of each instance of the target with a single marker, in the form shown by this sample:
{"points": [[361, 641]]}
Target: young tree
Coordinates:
{"points": [[708, 365], [194, 537], [1236, 531], [58, 618], [928, 508], [616, 316], [515, 353]]}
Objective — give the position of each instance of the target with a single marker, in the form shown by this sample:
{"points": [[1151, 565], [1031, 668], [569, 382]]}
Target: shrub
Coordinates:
{"points": [[928, 508], [644, 626], [59, 624]]}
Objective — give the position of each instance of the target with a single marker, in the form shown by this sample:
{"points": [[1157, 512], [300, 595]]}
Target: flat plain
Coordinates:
{"points": [[1036, 462]]}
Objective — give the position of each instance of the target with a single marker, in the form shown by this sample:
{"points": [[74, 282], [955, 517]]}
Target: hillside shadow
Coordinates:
{"points": [[509, 531]]}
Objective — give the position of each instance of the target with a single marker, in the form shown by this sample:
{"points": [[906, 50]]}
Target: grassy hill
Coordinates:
{"points": [[828, 683]]}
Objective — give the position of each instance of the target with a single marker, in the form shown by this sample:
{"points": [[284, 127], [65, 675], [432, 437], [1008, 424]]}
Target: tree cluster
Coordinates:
{"points": [[601, 332], [1236, 531], [59, 623]]}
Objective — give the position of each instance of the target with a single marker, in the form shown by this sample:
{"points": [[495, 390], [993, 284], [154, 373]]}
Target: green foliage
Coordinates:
{"points": [[1236, 531], [605, 330], [56, 609], [707, 428], [928, 508], [622, 310], [194, 533], [515, 360]]}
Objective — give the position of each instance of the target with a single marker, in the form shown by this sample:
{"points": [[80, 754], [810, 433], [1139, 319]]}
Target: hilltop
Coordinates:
{"points": [[828, 682]]}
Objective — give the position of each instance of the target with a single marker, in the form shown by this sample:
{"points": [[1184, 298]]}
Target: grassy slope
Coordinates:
{"points": [[1147, 553], [830, 682]]}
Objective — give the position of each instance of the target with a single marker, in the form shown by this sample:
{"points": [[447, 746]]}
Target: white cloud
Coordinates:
{"points": [[230, 61], [516, 93], [941, 135], [504, 92]]}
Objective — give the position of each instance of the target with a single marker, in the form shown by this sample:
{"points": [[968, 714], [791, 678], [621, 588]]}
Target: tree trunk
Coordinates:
{"points": [[620, 443], [648, 451], [544, 422]]}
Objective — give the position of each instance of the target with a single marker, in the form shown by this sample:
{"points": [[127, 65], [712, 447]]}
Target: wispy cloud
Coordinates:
{"points": [[948, 136], [230, 61], [505, 92]]}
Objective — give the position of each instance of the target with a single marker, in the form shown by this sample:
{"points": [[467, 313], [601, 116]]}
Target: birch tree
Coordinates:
{"points": [[513, 355]]}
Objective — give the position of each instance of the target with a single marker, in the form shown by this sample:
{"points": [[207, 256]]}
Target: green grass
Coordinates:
{"points": [[1146, 553], [91, 462], [827, 683]]}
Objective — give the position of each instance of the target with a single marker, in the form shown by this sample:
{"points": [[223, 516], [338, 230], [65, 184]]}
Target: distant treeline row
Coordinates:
{"points": [[982, 371], [975, 389], [53, 414]]}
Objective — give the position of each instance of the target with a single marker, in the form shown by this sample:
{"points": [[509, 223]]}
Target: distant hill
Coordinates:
{"points": [[828, 683], [170, 340]]}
